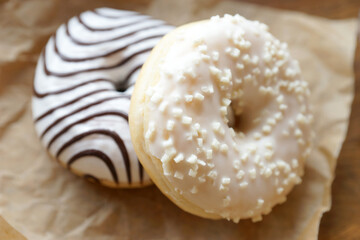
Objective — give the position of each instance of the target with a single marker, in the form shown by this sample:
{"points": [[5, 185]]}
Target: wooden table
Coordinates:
{"points": [[343, 220]]}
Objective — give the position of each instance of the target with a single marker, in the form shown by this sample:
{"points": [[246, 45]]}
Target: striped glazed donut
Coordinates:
{"points": [[82, 88]]}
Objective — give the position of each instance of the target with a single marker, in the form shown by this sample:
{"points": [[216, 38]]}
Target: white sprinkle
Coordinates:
{"points": [[225, 181], [179, 175], [244, 157], [246, 58], [203, 133], [156, 98], [283, 107], [271, 121], [194, 190], [165, 158], [294, 163], [202, 179], [278, 116], [223, 110], [179, 158], [252, 173], [224, 148], [226, 201], [215, 144], [202, 48], [250, 213], [176, 97], [215, 55], [188, 98], [240, 174], [189, 136], [170, 151], [252, 148], [201, 162], [268, 145], [216, 126], [280, 99], [192, 173], [168, 143], [255, 60], [260, 202], [208, 154], [257, 159], [149, 92], [162, 106], [226, 101], [236, 164], [166, 169], [268, 154], [212, 174], [240, 66], [301, 141], [268, 172], [248, 78], [223, 188], [211, 165], [291, 123], [235, 53], [199, 96], [177, 112], [290, 73], [256, 71], [232, 132], [151, 131], [257, 135], [200, 142], [298, 133], [267, 57], [170, 125], [279, 190], [266, 129], [192, 159], [186, 120], [243, 184], [285, 133], [301, 118], [215, 71]]}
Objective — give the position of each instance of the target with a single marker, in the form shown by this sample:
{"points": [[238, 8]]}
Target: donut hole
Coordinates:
{"points": [[121, 87], [235, 121]]}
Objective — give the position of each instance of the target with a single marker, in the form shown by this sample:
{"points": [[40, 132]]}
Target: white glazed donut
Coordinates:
{"points": [[219, 118], [82, 88]]}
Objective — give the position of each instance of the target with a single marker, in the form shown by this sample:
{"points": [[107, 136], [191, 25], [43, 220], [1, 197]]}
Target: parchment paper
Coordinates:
{"points": [[44, 201]]}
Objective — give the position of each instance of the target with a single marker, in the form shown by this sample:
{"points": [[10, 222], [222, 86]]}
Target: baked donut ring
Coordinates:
{"points": [[82, 88], [219, 118]]}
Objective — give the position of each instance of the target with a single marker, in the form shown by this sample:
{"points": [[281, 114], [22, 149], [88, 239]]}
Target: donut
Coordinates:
{"points": [[220, 118], [81, 93]]}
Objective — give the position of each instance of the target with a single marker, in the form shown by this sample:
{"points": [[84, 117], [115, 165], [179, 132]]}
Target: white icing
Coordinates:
{"points": [[147, 32], [253, 70]]}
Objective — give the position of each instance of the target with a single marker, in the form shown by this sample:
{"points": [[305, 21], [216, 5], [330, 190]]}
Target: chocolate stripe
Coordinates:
{"points": [[130, 13], [117, 139], [53, 124], [69, 103], [110, 39], [71, 59], [123, 86], [119, 64], [93, 29], [64, 130], [95, 153], [141, 171], [42, 95]]}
